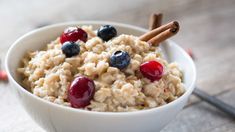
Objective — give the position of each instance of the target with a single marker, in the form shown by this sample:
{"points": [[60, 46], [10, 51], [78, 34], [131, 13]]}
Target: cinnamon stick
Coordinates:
{"points": [[163, 36], [155, 21], [149, 35]]}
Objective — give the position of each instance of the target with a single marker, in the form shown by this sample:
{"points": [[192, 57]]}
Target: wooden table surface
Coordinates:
{"points": [[207, 28]]}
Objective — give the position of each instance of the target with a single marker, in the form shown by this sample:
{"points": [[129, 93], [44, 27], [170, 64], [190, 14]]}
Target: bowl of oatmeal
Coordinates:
{"points": [[99, 76]]}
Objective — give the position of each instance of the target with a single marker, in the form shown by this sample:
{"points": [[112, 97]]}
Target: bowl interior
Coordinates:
{"points": [[38, 39]]}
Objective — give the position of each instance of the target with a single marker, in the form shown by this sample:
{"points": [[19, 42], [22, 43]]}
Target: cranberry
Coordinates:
{"points": [[81, 91], [3, 75], [190, 53], [73, 34], [152, 70]]}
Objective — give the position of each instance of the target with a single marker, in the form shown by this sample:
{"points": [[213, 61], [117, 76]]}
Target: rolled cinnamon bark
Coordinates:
{"points": [[149, 35], [155, 21], [163, 36]]}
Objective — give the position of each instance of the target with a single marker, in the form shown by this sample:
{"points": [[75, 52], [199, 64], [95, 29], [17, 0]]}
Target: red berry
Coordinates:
{"points": [[190, 53], [73, 34], [152, 70], [81, 91], [3, 75]]}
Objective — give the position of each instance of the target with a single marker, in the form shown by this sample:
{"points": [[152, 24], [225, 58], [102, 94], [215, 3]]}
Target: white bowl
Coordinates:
{"points": [[56, 118]]}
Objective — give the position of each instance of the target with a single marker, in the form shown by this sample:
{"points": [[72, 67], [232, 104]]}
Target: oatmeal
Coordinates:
{"points": [[99, 71]]}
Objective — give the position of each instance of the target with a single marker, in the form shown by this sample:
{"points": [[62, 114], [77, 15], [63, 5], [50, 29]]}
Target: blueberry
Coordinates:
{"points": [[120, 59], [70, 48], [106, 32]]}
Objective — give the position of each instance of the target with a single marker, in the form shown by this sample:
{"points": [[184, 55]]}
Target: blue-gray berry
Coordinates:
{"points": [[70, 48], [106, 32], [120, 59]]}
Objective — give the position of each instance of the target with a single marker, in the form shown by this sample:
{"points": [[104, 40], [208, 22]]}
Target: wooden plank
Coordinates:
{"points": [[12, 116], [202, 117]]}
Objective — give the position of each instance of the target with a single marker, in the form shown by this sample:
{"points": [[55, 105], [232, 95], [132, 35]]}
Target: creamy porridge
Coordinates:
{"points": [[99, 71]]}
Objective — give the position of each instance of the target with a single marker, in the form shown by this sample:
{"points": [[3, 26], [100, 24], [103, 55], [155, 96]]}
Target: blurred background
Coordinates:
{"points": [[207, 27]]}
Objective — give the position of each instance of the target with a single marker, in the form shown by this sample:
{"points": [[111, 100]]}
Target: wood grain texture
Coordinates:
{"points": [[202, 117], [206, 27]]}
